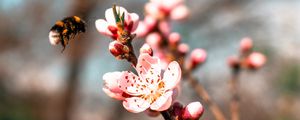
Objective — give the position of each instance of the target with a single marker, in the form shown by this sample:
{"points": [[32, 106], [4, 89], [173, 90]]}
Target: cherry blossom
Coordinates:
{"points": [[147, 89], [160, 9], [109, 27]]}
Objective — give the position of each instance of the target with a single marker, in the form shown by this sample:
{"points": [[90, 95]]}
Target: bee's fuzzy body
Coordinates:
{"points": [[65, 29]]}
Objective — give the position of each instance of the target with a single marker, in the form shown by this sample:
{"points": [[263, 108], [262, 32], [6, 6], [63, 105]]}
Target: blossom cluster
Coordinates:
{"points": [[247, 59], [148, 89]]}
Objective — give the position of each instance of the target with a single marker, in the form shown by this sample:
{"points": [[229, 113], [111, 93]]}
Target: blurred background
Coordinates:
{"points": [[37, 82]]}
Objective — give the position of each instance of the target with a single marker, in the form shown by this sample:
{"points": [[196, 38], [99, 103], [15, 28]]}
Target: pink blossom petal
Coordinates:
{"points": [[109, 15], [168, 5], [141, 29], [102, 27], [135, 19], [135, 104], [165, 27], [163, 59], [131, 84], [111, 80], [154, 39], [180, 13], [115, 95], [145, 63], [150, 21], [163, 102], [111, 85], [153, 10], [172, 75]]}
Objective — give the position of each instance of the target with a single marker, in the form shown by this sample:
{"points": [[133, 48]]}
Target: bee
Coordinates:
{"points": [[65, 30]]}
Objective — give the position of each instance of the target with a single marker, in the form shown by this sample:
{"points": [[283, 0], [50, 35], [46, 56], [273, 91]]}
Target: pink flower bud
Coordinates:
{"points": [[183, 48], [170, 4], [174, 38], [153, 10], [180, 13], [164, 27], [146, 49], [198, 56], [193, 111], [117, 49], [150, 21], [233, 61], [246, 45], [177, 109], [256, 60], [154, 39], [141, 30]]}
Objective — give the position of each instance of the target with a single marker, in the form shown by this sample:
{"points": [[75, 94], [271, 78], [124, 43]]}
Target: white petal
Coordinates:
{"points": [[131, 84], [135, 104], [147, 63], [172, 75], [109, 15], [111, 81], [163, 102], [102, 27], [135, 19]]}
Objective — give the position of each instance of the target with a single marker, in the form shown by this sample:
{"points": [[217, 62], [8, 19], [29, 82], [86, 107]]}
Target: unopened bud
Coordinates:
{"points": [[246, 45], [146, 49], [233, 62], [117, 49], [183, 48], [177, 109], [150, 21], [193, 111], [154, 39], [255, 60], [174, 38], [165, 27], [198, 56], [180, 13]]}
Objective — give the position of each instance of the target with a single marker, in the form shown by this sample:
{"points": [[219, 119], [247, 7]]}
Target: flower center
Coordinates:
{"points": [[154, 91]]}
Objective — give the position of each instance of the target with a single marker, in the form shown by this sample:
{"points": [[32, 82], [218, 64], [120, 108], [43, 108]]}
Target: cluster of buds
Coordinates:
{"points": [[120, 25], [247, 58], [192, 111], [162, 9], [158, 14], [166, 44]]}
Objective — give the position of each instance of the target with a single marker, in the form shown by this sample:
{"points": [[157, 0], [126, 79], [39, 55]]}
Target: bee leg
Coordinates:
{"points": [[63, 43], [72, 36]]}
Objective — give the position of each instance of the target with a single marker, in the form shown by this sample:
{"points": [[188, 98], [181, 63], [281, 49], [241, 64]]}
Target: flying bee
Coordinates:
{"points": [[66, 29]]}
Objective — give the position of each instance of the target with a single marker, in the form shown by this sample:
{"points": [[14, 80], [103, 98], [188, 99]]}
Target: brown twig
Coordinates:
{"points": [[234, 102], [205, 96], [166, 115]]}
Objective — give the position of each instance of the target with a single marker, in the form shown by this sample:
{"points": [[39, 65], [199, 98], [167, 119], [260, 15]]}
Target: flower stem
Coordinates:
{"points": [[131, 58], [205, 96], [234, 102], [166, 115]]}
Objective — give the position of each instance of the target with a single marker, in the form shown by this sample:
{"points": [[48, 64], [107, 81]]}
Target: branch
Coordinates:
{"points": [[205, 96]]}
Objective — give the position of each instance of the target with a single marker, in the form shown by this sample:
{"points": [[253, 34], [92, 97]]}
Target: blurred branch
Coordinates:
{"points": [[234, 102], [205, 96], [78, 51]]}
